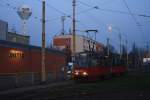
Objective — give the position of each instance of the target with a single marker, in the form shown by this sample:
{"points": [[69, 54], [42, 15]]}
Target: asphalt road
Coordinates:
{"points": [[130, 87]]}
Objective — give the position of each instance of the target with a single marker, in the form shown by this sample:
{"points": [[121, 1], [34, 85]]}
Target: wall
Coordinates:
{"points": [[20, 65]]}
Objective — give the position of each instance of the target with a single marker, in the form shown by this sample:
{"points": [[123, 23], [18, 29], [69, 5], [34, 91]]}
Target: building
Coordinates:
{"points": [[3, 30], [20, 65], [18, 38], [82, 43], [12, 36]]}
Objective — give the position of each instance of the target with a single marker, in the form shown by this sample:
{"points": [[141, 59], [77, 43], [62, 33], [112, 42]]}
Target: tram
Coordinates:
{"points": [[93, 66]]}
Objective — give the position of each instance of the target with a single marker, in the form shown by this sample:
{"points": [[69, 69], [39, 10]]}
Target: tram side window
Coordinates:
{"points": [[118, 62], [115, 62], [82, 62], [107, 62], [92, 62], [101, 62]]}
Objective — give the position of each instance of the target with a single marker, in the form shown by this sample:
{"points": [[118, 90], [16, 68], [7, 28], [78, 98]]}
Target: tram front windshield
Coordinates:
{"points": [[86, 61]]}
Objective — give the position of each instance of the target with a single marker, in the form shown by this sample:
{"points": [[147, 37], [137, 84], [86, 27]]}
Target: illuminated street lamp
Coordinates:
{"points": [[110, 28], [108, 41]]}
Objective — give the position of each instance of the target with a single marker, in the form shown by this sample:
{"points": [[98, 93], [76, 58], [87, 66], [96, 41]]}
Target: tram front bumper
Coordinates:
{"points": [[80, 76]]}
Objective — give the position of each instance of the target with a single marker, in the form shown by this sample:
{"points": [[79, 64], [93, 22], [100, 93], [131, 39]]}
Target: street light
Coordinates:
{"points": [[110, 28], [108, 41]]}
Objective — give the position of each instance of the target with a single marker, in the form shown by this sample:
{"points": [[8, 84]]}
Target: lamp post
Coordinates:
{"points": [[110, 28], [43, 70], [108, 41]]}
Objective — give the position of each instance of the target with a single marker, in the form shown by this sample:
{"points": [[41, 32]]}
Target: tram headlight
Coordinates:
{"points": [[69, 72], [76, 72], [85, 73]]}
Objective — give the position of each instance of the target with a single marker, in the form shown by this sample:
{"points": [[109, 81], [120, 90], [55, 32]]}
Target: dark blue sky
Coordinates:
{"points": [[108, 13]]}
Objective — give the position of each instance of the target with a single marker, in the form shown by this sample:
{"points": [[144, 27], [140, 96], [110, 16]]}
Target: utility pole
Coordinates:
{"points": [[120, 45], [147, 47], [127, 53], [43, 43], [108, 49], [74, 29], [63, 25]]}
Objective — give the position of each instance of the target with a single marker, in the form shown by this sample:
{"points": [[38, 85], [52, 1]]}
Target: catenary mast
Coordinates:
{"points": [[74, 29], [43, 71]]}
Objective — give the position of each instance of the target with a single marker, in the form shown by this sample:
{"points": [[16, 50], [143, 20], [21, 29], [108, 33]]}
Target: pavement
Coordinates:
{"points": [[35, 87]]}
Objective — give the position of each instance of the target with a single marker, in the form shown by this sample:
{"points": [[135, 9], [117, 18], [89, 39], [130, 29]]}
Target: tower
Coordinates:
{"points": [[24, 13]]}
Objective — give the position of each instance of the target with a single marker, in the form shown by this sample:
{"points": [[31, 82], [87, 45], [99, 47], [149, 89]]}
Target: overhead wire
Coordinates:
{"points": [[113, 11], [90, 15], [52, 7], [96, 7], [85, 11], [135, 19], [104, 9], [107, 2], [130, 12], [8, 5]]}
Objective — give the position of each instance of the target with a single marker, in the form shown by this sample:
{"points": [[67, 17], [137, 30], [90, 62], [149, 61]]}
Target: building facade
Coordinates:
{"points": [[82, 43], [3, 30], [12, 36], [18, 38]]}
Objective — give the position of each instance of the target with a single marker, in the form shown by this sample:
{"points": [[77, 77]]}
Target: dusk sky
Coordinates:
{"points": [[132, 17]]}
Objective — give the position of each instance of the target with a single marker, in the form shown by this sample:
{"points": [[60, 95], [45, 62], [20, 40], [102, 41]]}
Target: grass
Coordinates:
{"points": [[130, 84], [125, 83]]}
